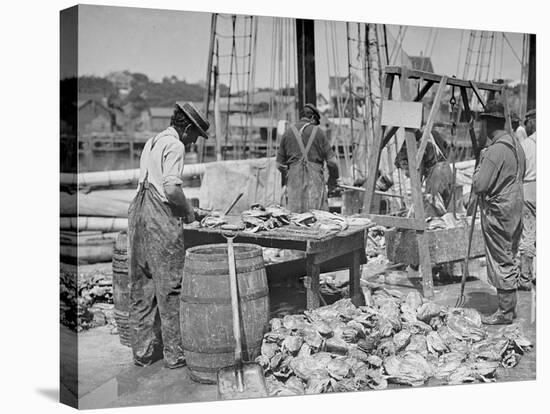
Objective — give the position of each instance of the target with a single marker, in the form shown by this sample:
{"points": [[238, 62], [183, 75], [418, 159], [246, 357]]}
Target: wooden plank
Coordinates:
{"points": [[336, 247], [477, 93], [374, 155], [425, 264], [355, 291], [445, 245], [428, 76], [469, 119], [402, 114], [418, 202], [434, 111], [389, 135], [399, 222]]}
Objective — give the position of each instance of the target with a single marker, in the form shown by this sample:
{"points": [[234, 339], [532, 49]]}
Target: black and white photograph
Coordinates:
{"points": [[255, 206]]}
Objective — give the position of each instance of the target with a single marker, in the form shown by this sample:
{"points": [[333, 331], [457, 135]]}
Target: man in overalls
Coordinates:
{"points": [[156, 240], [435, 172], [303, 150], [498, 182]]}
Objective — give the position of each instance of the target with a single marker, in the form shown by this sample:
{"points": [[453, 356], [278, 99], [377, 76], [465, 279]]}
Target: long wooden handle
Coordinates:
{"points": [[230, 207], [466, 273], [233, 287]]}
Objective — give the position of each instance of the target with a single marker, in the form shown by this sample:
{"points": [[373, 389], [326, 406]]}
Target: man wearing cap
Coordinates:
{"points": [[156, 252], [435, 171], [303, 150], [498, 182], [518, 129], [528, 238]]}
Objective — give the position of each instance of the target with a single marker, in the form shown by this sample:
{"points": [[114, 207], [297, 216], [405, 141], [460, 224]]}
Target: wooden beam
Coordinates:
{"points": [[374, 155], [477, 93], [417, 98], [532, 73], [428, 76], [418, 203], [305, 50], [399, 222], [434, 111]]}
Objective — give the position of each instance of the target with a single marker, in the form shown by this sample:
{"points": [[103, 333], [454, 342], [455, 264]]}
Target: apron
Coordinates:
{"points": [[501, 223], [156, 257], [306, 180]]}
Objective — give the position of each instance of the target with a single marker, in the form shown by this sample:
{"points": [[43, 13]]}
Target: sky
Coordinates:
{"points": [[163, 43]]}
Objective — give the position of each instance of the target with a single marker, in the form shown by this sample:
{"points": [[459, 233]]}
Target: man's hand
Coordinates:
{"points": [[189, 217]]}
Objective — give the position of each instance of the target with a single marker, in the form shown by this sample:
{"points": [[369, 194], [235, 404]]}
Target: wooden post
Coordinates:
{"points": [[431, 118], [532, 73], [305, 50], [416, 194], [311, 282], [470, 120], [374, 155], [355, 292]]}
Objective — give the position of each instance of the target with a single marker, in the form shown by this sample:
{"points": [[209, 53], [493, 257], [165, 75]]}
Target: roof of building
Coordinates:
{"points": [[83, 102], [422, 63]]}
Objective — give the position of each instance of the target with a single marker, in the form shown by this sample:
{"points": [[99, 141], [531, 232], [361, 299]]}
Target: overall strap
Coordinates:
{"points": [[514, 151], [153, 142], [298, 136]]}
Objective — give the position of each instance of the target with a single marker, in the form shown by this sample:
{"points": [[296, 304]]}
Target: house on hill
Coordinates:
{"points": [[160, 118], [94, 117]]}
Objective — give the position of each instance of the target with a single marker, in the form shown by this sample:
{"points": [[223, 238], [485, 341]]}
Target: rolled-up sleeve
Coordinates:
{"points": [[173, 163]]}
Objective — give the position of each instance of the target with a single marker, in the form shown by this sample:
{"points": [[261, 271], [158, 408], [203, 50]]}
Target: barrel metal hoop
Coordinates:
{"points": [[223, 271], [225, 301], [218, 350]]}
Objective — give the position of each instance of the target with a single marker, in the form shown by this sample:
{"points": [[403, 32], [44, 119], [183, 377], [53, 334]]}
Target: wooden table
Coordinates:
{"points": [[348, 245]]}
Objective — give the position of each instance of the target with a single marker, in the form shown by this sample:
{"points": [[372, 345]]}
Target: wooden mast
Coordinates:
{"points": [[531, 76], [200, 141], [305, 51]]}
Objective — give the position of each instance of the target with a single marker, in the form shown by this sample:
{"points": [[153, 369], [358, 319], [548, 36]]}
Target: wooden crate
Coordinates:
{"points": [[445, 245]]}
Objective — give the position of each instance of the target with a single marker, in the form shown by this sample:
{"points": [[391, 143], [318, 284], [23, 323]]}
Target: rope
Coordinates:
{"points": [[511, 47]]}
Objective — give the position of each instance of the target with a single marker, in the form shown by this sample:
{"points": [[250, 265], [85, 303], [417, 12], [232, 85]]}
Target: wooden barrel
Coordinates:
{"points": [[205, 307], [121, 288]]}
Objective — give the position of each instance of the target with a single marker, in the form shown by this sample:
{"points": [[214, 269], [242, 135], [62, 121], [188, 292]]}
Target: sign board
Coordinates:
{"points": [[403, 114]]}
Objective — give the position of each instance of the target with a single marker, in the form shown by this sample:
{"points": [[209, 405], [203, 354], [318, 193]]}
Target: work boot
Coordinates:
{"points": [[180, 362], [506, 312]]}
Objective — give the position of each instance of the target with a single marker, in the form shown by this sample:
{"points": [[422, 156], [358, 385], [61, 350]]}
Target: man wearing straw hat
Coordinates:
{"points": [[156, 253], [498, 182]]}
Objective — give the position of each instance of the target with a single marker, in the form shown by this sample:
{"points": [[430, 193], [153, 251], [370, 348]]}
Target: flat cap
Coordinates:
{"points": [[313, 109], [493, 109]]}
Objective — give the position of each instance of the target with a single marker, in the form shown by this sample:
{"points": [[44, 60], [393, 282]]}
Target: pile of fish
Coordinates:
{"points": [[86, 299], [260, 218], [400, 340]]}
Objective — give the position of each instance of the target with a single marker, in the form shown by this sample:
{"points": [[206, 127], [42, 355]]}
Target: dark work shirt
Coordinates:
{"points": [[289, 150], [430, 158], [498, 167]]}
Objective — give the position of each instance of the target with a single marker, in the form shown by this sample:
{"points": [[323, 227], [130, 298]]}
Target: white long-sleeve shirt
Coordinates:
{"points": [[530, 148], [164, 164]]}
